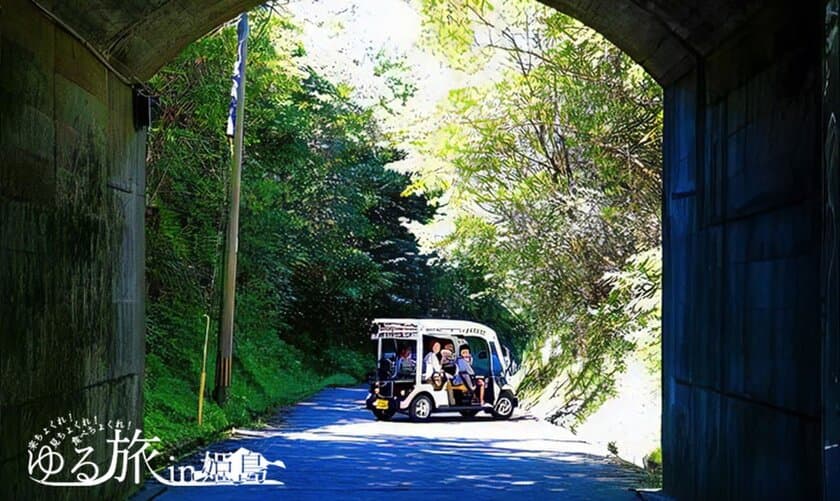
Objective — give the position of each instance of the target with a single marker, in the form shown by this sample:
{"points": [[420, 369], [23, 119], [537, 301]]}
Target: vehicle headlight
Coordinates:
{"points": [[402, 393]]}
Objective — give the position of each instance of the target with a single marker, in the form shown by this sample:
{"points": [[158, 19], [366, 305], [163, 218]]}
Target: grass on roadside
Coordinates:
{"points": [[653, 470], [266, 375]]}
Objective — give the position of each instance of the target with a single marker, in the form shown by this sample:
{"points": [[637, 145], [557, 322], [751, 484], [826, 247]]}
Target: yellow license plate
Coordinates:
{"points": [[381, 404]]}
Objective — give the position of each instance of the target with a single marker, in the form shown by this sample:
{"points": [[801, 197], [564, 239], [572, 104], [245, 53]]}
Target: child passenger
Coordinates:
{"points": [[466, 373], [447, 359]]}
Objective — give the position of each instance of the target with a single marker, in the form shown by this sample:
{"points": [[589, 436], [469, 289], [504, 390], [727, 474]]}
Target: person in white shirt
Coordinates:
{"points": [[431, 363]]}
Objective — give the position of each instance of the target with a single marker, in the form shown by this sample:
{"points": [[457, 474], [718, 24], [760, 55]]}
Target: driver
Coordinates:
{"points": [[405, 364]]}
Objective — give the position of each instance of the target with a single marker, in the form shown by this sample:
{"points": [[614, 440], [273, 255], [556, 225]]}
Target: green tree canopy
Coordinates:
{"points": [[323, 242], [555, 166]]}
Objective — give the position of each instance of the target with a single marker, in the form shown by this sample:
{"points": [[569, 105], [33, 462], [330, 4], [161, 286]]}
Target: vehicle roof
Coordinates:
{"points": [[410, 327]]}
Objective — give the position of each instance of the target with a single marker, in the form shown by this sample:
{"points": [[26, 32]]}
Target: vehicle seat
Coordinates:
{"points": [[459, 387], [386, 368]]}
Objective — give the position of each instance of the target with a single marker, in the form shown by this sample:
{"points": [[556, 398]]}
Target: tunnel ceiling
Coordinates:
{"points": [[137, 37]]}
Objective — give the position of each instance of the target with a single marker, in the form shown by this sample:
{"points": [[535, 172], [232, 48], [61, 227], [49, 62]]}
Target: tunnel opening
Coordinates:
{"points": [[173, 180]]}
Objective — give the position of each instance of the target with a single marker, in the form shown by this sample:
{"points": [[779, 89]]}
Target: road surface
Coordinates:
{"points": [[334, 450]]}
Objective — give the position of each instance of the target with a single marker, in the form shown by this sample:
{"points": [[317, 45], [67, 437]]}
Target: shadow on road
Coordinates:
{"points": [[334, 449]]}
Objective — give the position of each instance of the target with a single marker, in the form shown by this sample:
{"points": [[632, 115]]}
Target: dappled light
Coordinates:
{"points": [[332, 435]]}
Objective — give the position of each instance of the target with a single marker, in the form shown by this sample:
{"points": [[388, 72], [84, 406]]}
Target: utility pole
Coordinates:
{"points": [[235, 128]]}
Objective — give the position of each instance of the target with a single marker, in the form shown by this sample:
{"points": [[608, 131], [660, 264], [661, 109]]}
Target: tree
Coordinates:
{"points": [[557, 174], [323, 242]]}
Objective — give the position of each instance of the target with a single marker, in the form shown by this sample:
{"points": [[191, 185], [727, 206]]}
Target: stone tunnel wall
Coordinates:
{"points": [[742, 333], [71, 243]]}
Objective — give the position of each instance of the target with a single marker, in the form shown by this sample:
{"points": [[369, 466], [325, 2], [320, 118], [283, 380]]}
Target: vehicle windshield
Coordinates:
{"points": [[397, 358]]}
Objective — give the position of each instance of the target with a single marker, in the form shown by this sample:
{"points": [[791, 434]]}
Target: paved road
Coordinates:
{"points": [[334, 450]]}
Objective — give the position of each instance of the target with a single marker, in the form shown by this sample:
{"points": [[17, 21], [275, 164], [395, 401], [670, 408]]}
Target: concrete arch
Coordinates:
{"points": [[138, 37]]}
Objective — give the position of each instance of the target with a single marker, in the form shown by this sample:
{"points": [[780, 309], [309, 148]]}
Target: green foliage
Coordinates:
{"points": [[555, 169], [394, 72], [653, 469], [310, 175], [655, 457], [449, 29], [323, 245]]}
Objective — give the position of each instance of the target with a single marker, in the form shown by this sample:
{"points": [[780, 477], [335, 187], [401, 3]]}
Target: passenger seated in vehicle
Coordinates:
{"points": [[466, 374], [447, 364], [447, 360], [406, 366], [431, 364]]}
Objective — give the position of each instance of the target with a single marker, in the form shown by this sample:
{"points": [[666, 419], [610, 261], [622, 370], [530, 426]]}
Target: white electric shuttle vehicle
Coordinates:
{"points": [[405, 383]]}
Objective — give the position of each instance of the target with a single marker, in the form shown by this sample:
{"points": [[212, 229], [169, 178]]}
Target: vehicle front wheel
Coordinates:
{"points": [[421, 408], [468, 413], [383, 415], [504, 407]]}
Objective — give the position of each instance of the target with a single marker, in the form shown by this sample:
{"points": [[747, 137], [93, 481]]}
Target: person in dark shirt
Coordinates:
{"points": [[405, 364], [447, 359]]}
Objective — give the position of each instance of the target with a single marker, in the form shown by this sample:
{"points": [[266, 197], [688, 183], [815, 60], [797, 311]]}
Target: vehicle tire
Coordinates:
{"points": [[468, 413], [421, 408], [504, 406], [383, 415]]}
